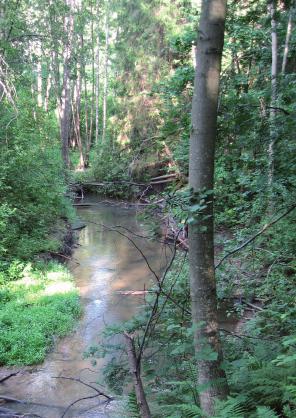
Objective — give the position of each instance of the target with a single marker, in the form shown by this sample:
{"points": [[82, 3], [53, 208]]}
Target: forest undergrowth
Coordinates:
{"points": [[102, 90]]}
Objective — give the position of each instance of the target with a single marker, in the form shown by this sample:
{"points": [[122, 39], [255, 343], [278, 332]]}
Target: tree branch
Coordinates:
{"points": [[255, 236], [98, 392]]}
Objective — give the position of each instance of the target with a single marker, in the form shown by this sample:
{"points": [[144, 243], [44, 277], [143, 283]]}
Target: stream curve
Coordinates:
{"points": [[106, 266]]}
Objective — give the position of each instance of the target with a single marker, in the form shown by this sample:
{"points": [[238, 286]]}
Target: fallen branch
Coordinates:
{"points": [[10, 399], [255, 236], [251, 305], [168, 180], [133, 292], [3, 379], [164, 176], [64, 256]]}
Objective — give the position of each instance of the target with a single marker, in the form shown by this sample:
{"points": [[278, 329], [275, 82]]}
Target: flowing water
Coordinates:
{"points": [[105, 265]]}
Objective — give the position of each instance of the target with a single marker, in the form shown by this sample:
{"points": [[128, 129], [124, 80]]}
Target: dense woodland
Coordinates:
{"points": [[95, 91]]}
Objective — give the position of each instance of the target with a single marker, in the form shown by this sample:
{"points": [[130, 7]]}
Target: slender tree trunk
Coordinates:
{"points": [[288, 36], [137, 381], [90, 134], [54, 60], [84, 76], [39, 83], [56, 76], [76, 118], [201, 177], [97, 90], [65, 100], [48, 88], [273, 102], [105, 94]]}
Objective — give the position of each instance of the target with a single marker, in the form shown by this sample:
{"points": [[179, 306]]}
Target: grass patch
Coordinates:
{"points": [[34, 309]]}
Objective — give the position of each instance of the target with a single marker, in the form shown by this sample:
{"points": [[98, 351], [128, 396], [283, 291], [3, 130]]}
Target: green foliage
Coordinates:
{"points": [[32, 186], [264, 412], [34, 310], [232, 407], [115, 374], [132, 405]]}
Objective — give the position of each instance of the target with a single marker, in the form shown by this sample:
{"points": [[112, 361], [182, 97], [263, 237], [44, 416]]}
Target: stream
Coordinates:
{"points": [[105, 265]]}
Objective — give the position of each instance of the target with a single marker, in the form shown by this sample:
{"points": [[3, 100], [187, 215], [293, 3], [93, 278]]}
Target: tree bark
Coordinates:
{"points": [[97, 89], [105, 94], [48, 88], [211, 377], [288, 36], [134, 369], [39, 81], [90, 134], [76, 117], [273, 101], [65, 99]]}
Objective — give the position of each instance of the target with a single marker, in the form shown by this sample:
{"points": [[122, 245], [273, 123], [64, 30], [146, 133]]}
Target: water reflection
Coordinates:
{"points": [[108, 264]]}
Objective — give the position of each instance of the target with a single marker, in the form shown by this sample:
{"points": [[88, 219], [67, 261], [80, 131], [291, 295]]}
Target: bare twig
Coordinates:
{"points": [[280, 109], [142, 236], [110, 228], [73, 379], [64, 256], [155, 304], [255, 236], [98, 392]]}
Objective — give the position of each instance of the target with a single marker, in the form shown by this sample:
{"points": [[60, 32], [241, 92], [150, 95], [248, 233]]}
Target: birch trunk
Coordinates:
{"points": [[288, 36], [211, 377], [39, 84], [65, 99], [105, 94]]}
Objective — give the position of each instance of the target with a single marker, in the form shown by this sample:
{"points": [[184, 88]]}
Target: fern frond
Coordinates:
{"points": [[190, 411], [233, 407], [132, 406], [264, 412]]}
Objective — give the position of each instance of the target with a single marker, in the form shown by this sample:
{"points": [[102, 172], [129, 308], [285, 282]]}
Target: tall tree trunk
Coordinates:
{"points": [[273, 101], [84, 76], [39, 82], [76, 106], [97, 89], [65, 100], [288, 35], [90, 134], [201, 178], [48, 88], [105, 94]]}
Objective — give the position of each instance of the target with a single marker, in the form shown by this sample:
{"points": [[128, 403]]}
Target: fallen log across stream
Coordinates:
{"points": [[166, 178]]}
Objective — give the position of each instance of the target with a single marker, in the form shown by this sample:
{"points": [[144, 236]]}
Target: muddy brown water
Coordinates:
{"points": [[108, 266]]}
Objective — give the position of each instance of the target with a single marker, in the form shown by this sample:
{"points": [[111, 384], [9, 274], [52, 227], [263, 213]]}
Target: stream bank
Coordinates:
{"points": [[106, 266]]}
